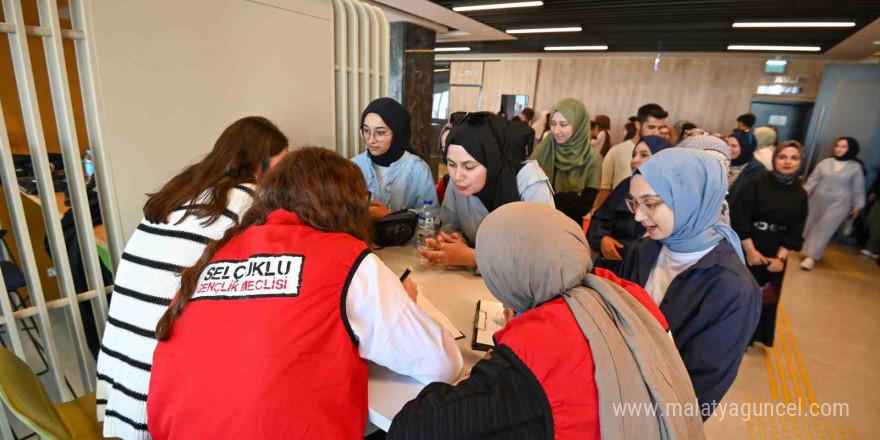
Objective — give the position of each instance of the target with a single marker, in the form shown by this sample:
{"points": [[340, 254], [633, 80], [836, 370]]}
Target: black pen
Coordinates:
{"points": [[405, 274]]}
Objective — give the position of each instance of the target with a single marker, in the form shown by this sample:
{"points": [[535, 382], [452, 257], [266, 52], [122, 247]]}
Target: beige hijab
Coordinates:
{"points": [[529, 254]]}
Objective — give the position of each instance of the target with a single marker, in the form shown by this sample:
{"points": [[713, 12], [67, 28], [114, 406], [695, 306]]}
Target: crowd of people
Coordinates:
{"points": [[248, 301]]}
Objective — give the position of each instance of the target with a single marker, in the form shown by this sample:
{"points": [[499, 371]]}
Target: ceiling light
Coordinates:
{"points": [[576, 48], [796, 24], [489, 6], [545, 30], [775, 48], [441, 70], [452, 49]]}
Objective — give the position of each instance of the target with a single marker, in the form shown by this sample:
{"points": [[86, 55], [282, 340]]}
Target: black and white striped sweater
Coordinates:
{"points": [[146, 281]]}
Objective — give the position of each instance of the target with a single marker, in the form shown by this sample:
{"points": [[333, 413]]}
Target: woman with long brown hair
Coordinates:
{"points": [[195, 207], [602, 142], [269, 335]]}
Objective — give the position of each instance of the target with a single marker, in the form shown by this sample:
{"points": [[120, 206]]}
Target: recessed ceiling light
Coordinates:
{"points": [[489, 6], [545, 30], [775, 48], [452, 49], [796, 24], [576, 48]]}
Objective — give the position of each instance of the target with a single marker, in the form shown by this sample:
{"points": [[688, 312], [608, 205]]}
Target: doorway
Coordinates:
{"points": [[790, 118]]}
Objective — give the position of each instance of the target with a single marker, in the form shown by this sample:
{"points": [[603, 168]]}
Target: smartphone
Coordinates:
{"points": [[406, 274]]}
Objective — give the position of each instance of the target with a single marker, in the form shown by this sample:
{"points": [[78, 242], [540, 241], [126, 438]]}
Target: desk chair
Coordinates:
{"points": [[14, 280], [23, 394]]}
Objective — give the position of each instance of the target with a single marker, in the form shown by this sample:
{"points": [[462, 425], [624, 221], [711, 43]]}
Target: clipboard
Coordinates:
{"points": [[488, 319]]}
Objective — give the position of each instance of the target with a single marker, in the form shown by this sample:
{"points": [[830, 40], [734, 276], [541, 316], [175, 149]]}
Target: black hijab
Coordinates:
{"points": [[852, 151], [746, 146], [487, 142], [397, 119]]}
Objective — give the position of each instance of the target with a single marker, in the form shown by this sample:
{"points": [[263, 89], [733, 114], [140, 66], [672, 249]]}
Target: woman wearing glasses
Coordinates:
{"points": [[482, 179], [396, 178], [692, 266], [613, 230]]}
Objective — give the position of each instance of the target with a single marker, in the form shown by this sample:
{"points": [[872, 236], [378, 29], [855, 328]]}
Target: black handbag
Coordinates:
{"points": [[395, 229]]}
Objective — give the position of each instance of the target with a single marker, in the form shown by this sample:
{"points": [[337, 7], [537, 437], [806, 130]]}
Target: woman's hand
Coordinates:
{"points": [[854, 213], [754, 258], [412, 289], [782, 254], [609, 246], [508, 314], [775, 265], [448, 250], [378, 210]]}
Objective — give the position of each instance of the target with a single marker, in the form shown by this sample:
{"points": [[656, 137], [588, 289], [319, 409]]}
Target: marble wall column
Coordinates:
{"points": [[412, 79]]}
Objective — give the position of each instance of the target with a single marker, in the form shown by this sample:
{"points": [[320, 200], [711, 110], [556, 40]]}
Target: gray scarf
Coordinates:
{"points": [[529, 254]]}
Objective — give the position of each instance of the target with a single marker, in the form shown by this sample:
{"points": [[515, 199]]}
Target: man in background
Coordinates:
{"points": [[615, 168], [527, 115], [744, 123]]}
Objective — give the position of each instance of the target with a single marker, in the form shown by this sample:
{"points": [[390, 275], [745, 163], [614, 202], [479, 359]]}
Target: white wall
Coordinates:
{"points": [[173, 74]]}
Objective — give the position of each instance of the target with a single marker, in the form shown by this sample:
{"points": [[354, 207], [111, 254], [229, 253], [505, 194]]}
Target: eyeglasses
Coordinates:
{"points": [[474, 118], [647, 207], [379, 133]]}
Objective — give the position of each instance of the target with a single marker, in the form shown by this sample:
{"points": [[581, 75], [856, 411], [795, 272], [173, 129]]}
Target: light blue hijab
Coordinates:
{"points": [[693, 184]]}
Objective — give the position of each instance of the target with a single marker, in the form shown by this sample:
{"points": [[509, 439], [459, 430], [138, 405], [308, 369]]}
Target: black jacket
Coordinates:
{"points": [[712, 310], [614, 219], [501, 399]]}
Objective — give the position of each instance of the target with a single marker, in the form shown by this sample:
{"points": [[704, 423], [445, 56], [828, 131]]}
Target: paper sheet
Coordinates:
{"points": [[490, 320], [432, 311]]}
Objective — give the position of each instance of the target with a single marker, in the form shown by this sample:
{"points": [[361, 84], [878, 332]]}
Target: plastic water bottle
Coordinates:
{"points": [[88, 165], [426, 225]]}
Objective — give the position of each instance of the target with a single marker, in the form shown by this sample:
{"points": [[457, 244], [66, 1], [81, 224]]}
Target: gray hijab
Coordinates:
{"points": [[547, 256], [529, 254]]}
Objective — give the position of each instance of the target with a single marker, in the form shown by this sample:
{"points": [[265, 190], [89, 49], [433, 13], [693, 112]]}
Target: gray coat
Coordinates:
{"points": [[833, 195]]}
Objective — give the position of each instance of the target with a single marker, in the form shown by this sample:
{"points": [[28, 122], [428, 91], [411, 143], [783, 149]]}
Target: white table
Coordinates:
{"points": [[454, 291]]}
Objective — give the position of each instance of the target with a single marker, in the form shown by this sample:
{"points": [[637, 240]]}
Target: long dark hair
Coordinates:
{"points": [[604, 124], [242, 150], [326, 191]]}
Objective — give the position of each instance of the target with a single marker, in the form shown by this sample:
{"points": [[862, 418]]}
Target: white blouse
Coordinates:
{"points": [[669, 265]]}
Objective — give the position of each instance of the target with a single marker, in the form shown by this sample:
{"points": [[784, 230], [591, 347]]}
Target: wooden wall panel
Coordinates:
{"points": [[9, 92], [508, 77], [464, 99], [709, 92], [470, 73]]}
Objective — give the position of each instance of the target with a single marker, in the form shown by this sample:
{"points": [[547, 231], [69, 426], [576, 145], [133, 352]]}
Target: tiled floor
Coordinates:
{"points": [[829, 321], [823, 354]]}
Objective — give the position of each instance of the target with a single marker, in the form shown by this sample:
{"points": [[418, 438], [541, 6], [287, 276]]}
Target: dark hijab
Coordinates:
{"points": [[656, 143], [486, 141], [397, 119], [786, 179], [747, 148], [852, 151]]}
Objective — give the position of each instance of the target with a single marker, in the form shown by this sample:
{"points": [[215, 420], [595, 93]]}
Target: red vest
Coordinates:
{"points": [[263, 350], [550, 343]]}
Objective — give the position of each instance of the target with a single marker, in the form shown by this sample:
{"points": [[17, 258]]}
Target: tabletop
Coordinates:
{"points": [[454, 292]]}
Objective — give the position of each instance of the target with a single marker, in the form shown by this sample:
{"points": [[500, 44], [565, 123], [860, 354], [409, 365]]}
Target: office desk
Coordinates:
{"points": [[455, 293], [37, 230]]}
